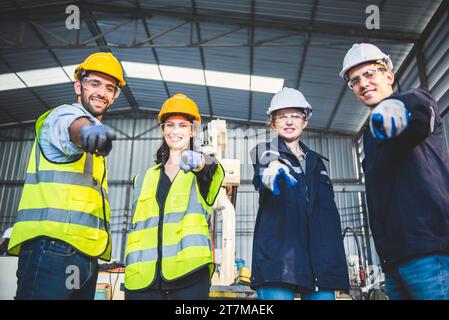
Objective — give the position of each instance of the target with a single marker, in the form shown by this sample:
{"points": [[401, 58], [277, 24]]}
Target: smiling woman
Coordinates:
{"points": [[171, 255], [297, 244]]}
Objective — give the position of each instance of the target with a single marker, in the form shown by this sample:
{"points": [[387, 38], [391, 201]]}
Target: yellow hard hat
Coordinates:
{"points": [[103, 62], [179, 103]]}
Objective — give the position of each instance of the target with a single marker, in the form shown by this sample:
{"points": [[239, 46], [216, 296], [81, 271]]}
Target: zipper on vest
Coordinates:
{"points": [[158, 270], [103, 203]]}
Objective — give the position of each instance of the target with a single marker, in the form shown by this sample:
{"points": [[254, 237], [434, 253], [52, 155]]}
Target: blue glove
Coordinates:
{"points": [[389, 119], [97, 139], [191, 160], [272, 174]]}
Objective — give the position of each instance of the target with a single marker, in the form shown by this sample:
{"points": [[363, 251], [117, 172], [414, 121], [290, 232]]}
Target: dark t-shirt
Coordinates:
{"points": [[204, 178]]}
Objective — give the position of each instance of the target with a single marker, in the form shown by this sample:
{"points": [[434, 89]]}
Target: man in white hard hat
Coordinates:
{"points": [[406, 167], [298, 246]]}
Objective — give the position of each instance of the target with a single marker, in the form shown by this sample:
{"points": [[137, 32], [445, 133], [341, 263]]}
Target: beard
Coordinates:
{"points": [[85, 101]]}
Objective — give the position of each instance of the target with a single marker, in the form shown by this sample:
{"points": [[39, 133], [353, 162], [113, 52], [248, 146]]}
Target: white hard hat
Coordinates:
{"points": [[363, 52], [7, 233], [289, 98]]}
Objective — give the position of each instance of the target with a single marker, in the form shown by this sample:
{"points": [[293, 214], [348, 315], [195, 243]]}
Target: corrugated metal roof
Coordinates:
{"points": [[281, 58], [436, 55]]}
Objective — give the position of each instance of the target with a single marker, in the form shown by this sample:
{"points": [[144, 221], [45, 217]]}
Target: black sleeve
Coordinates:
{"points": [[424, 116], [204, 177]]}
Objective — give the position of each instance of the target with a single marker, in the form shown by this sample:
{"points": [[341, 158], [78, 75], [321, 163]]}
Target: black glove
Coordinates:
{"points": [[97, 139]]}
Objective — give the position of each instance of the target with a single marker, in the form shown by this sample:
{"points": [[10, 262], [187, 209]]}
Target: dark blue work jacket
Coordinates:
{"points": [[297, 238], [407, 185]]}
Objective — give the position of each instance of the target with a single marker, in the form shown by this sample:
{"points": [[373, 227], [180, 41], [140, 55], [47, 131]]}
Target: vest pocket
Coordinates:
{"points": [[194, 240], [177, 202], [85, 202], [132, 269], [81, 220], [131, 272], [145, 205]]}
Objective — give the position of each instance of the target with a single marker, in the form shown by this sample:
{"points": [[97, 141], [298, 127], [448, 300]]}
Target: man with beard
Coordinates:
{"points": [[62, 226]]}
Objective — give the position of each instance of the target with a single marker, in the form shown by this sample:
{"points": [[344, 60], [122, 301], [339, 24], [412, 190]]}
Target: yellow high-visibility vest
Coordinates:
{"points": [[65, 201], [186, 244]]}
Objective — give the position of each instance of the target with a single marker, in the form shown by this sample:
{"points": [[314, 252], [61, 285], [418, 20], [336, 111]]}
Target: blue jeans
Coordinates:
{"points": [[279, 293], [425, 278], [49, 269]]}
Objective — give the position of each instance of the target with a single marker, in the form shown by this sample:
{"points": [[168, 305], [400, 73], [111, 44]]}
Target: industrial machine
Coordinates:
{"points": [[214, 143]]}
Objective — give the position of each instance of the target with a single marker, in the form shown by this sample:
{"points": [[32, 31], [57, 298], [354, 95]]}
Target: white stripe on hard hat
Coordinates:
{"points": [[289, 98], [363, 52]]}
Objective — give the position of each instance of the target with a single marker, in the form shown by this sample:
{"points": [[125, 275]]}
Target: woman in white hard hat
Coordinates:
{"points": [[298, 247], [168, 253]]}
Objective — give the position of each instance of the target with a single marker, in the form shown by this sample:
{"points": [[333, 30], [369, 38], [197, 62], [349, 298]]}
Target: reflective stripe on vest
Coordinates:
{"points": [[175, 218], [75, 178], [65, 201], [59, 215], [186, 242], [168, 251]]}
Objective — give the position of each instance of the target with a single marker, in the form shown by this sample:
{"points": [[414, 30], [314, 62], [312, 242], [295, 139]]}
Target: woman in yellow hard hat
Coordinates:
{"points": [[169, 254]]}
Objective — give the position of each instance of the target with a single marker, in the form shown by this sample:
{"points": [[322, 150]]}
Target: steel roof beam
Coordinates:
{"points": [[203, 63], [306, 45], [103, 44], [251, 59], [153, 50], [112, 11]]}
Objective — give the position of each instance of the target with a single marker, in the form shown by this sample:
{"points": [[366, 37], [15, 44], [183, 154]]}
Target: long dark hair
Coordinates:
{"points": [[163, 153]]}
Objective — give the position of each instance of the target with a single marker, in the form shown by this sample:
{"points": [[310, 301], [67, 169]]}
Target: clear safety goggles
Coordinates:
{"points": [[295, 116], [368, 75], [95, 84], [170, 126]]}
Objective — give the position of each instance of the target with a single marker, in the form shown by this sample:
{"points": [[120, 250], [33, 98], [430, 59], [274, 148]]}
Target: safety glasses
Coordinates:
{"points": [[296, 116], [368, 75], [170, 126], [95, 84]]}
